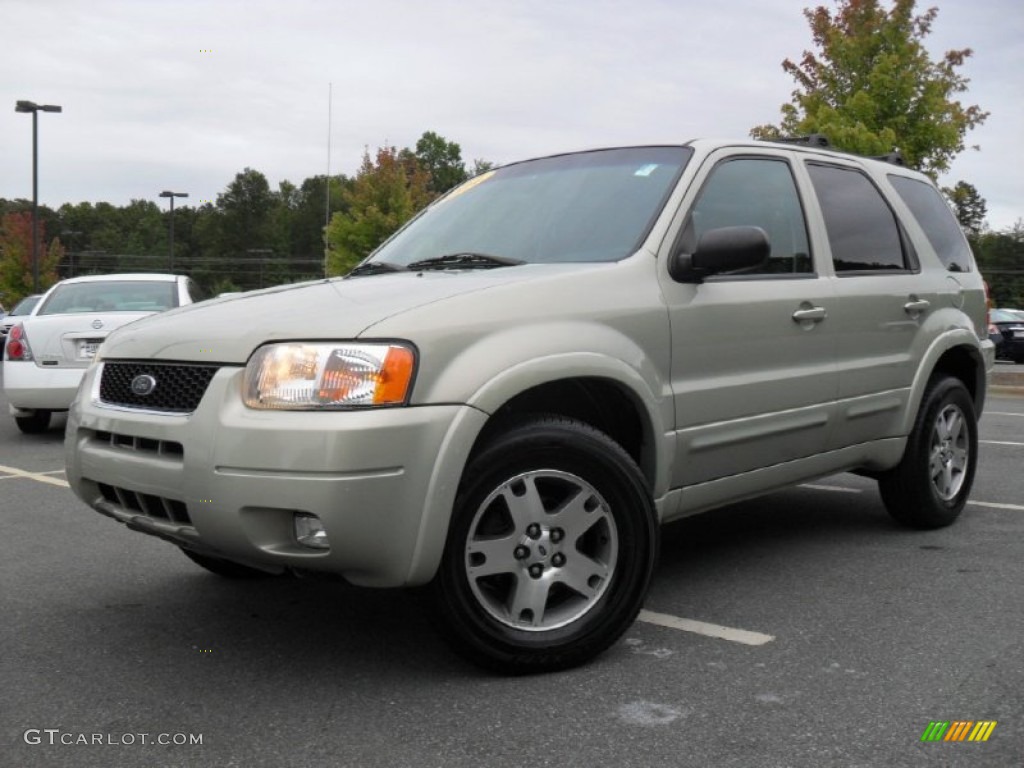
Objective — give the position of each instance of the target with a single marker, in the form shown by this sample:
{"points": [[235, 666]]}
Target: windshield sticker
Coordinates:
{"points": [[646, 170], [464, 188]]}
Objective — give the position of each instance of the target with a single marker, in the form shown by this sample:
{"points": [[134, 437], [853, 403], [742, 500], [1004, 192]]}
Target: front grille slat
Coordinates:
{"points": [[158, 507], [169, 449], [179, 386]]}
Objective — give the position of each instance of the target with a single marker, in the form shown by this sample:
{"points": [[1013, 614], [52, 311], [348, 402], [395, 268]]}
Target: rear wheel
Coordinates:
{"points": [[38, 422], [225, 568], [550, 551], [930, 486]]}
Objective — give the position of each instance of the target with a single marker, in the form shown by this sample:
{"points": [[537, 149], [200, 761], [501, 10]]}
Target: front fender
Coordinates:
{"points": [[610, 356]]}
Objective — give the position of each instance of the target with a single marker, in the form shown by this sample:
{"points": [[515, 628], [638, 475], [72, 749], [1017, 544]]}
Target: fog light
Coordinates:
{"points": [[309, 531]]}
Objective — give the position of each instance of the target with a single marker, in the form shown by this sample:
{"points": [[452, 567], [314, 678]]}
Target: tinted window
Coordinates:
{"points": [[862, 229], [113, 296], [759, 193], [937, 221], [26, 305]]}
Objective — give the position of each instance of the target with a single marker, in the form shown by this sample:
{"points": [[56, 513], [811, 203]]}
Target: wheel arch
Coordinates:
{"points": [[603, 403], [954, 354]]}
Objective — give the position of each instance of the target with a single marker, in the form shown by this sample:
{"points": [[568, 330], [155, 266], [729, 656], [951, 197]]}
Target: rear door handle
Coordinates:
{"points": [[812, 314], [916, 306]]}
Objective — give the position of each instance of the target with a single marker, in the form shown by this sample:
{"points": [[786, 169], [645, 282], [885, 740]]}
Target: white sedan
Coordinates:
{"points": [[47, 353]]}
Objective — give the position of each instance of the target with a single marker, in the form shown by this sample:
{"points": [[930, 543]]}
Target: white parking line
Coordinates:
{"points": [[703, 628], [1004, 413], [39, 477], [1001, 442], [993, 505]]}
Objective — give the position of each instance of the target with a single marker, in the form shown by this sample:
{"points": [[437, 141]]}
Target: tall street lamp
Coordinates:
{"points": [[35, 109], [172, 195]]}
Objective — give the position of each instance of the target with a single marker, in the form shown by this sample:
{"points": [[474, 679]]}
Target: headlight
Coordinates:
{"points": [[301, 376]]}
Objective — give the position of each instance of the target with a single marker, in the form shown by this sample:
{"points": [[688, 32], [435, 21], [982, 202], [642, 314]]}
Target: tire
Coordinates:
{"points": [[550, 550], [225, 568], [930, 486], [35, 424]]}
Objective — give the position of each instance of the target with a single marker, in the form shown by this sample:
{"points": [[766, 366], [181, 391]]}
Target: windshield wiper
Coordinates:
{"points": [[466, 260], [374, 268]]}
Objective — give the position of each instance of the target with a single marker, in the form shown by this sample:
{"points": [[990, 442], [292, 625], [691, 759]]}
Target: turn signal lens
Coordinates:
{"points": [[317, 375]]}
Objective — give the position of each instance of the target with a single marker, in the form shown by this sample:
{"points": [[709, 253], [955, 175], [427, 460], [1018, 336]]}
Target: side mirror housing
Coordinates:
{"points": [[725, 249]]}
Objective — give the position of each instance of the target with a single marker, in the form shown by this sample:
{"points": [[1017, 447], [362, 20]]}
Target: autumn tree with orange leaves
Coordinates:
{"points": [[16, 257], [388, 190]]}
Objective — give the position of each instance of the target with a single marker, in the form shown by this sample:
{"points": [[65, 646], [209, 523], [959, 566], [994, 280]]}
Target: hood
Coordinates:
{"points": [[227, 330]]}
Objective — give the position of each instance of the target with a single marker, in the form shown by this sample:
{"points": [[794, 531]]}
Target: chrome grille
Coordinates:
{"points": [[179, 386]]}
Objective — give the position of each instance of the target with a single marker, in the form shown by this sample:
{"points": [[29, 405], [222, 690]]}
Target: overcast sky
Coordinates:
{"points": [[183, 95]]}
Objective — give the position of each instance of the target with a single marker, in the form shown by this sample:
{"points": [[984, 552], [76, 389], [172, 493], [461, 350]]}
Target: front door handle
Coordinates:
{"points": [[811, 314], [916, 306]]}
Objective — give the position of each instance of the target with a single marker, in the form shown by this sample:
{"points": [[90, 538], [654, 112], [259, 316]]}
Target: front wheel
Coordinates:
{"points": [[38, 422], [930, 486], [550, 551]]}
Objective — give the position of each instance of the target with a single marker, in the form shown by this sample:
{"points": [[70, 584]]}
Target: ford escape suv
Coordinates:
{"points": [[508, 397]]}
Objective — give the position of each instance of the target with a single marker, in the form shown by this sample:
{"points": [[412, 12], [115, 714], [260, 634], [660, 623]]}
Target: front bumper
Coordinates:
{"points": [[226, 480]]}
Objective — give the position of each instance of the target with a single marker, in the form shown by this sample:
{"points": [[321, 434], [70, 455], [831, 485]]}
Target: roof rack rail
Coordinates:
{"points": [[813, 140], [895, 158]]}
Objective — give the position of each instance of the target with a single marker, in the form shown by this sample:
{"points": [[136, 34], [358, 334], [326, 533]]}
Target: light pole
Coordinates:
{"points": [[172, 195], [35, 109]]}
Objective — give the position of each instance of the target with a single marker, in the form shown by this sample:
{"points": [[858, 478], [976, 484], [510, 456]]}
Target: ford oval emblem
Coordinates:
{"points": [[143, 385], [97, 324]]}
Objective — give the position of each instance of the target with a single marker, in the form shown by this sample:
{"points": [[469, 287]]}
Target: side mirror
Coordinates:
{"points": [[726, 249]]}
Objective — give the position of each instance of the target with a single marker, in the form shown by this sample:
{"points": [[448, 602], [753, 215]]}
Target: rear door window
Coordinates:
{"points": [[862, 229]]}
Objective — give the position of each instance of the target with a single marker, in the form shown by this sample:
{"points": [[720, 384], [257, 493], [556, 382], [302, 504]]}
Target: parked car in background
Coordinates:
{"points": [[1007, 331], [48, 351], [20, 310]]}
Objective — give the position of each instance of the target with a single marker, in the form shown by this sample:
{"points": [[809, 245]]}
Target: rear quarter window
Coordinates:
{"points": [[937, 221]]}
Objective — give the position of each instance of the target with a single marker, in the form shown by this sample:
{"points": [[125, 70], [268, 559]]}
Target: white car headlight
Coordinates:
{"points": [[304, 376]]}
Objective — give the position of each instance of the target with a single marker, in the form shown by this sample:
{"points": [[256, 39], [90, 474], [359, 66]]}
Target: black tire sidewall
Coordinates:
{"points": [[908, 491], [567, 446]]}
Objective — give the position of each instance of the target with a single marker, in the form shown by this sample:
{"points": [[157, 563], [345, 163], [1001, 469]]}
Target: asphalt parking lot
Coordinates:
{"points": [[800, 629]]}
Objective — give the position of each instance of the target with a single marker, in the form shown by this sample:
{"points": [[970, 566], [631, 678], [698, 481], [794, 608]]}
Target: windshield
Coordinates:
{"points": [[111, 296], [1006, 315], [590, 206]]}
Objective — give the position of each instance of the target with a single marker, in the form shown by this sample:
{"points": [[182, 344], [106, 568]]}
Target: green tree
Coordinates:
{"points": [[385, 194], [872, 87], [1000, 257], [16, 278], [969, 205], [442, 159], [246, 208]]}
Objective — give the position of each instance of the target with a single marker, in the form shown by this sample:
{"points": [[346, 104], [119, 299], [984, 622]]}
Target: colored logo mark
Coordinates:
{"points": [[958, 730]]}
